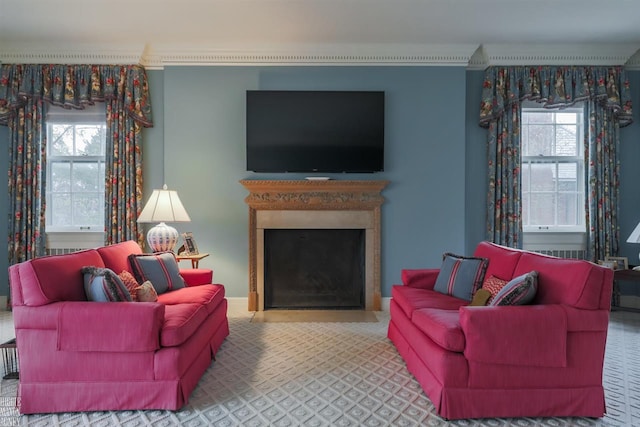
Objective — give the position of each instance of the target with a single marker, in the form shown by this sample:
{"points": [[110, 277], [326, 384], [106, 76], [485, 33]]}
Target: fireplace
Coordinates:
{"points": [[314, 205], [319, 269]]}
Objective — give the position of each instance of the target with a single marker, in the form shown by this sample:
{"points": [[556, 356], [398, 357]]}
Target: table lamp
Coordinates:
{"points": [[163, 206], [635, 238]]}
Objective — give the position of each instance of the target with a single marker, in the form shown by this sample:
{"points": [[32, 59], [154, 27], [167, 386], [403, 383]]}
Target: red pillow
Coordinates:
{"points": [[493, 284]]}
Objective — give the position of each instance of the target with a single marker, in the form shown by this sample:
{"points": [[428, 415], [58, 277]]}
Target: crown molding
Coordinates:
{"points": [[555, 54], [344, 54], [466, 55], [41, 53]]}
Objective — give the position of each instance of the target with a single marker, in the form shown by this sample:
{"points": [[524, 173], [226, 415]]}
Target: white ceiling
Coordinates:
{"points": [[397, 31]]}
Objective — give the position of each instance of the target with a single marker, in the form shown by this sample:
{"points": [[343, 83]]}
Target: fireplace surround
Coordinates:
{"points": [[307, 204]]}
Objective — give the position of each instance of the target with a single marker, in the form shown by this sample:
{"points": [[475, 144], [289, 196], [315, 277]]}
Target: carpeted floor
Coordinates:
{"points": [[332, 374]]}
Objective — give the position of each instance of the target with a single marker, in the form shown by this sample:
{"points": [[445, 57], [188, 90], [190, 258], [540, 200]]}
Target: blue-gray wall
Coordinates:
{"points": [[435, 160]]}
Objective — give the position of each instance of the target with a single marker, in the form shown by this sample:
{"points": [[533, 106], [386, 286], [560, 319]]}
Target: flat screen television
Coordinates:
{"points": [[315, 131]]}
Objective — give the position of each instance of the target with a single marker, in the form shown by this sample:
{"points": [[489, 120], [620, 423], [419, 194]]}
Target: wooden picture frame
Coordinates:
{"points": [[190, 247], [621, 262], [607, 263]]}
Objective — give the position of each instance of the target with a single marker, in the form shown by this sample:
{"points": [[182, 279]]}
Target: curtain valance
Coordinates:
{"points": [[74, 86], [555, 87]]}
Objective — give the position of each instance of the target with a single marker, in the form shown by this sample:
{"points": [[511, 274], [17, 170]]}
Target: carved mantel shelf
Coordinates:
{"points": [[330, 194], [314, 204]]}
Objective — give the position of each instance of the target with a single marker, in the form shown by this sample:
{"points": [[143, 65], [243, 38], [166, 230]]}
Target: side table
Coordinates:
{"points": [[195, 259], [625, 276]]}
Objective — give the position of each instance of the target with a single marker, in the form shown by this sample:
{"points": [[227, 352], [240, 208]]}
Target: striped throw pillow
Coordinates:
{"points": [[460, 276]]}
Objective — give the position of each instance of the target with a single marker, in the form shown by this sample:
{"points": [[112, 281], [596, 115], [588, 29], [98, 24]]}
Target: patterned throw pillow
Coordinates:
{"points": [[102, 284], [130, 283], [519, 291], [460, 276], [146, 292], [480, 298], [161, 269], [493, 285]]}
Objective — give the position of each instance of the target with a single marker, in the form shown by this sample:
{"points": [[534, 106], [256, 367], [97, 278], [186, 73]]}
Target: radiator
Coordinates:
{"points": [[62, 251], [562, 253]]}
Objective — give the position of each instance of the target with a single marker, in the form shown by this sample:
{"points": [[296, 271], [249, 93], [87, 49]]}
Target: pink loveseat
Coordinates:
{"points": [[538, 360], [78, 355]]}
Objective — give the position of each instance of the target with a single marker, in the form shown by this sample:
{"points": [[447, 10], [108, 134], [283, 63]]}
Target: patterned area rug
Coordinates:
{"points": [[334, 374]]}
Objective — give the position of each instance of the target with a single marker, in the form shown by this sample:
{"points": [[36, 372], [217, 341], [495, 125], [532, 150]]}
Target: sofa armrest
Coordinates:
{"points": [[420, 278], [109, 326], [533, 335], [197, 276]]}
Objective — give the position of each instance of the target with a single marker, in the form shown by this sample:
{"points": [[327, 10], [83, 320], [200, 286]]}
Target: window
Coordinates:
{"points": [[552, 170], [75, 169]]}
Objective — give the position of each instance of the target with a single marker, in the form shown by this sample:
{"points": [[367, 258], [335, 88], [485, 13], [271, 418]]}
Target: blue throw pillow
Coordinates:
{"points": [[161, 269], [461, 276], [104, 285], [519, 291]]}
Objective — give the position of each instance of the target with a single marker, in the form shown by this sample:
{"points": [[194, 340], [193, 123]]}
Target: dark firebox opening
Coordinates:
{"points": [[314, 269]]}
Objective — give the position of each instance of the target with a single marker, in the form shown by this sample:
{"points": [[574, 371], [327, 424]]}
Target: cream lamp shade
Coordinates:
{"points": [[635, 235], [163, 206]]}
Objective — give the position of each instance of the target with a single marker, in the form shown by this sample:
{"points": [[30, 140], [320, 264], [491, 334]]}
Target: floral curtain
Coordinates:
{"points": [[606, 93], [23, 91]]}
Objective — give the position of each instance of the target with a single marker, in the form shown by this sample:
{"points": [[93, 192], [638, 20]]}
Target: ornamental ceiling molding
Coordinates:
{"points": [[568, 54], [466, 55]]}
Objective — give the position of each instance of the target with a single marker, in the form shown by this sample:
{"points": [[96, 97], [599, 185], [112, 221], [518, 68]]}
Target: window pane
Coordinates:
{"points": [[566, 140], [568, 209], [89, 140], [86, 177], [525, 209], [542, 209], [61, 140], [87, 209], [540, 141], [567, 177], [537, 117], [60, 209], [525, 176], [566, 117], [60, 176], [542, 177]]}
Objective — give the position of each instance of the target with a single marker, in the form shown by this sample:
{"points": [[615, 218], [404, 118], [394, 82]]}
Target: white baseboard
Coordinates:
{"points": [[242, 303]]}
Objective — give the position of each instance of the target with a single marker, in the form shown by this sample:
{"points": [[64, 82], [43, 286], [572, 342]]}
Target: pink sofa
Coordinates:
{"points": [[539, 360], [77, 355]]}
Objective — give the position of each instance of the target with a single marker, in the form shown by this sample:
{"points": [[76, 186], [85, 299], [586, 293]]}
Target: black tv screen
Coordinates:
{"points": [[315, 131]]}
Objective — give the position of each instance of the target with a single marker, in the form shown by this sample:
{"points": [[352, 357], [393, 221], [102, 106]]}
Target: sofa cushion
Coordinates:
{"points": [[519, 291], [442, 326], [573, 282], [56, 278], [115, 256], [146, 292], [161, 269], [180, 322], [493, 285], [502, 260], [130, 283], [460, 276], [481, 297], [209, 296], [103, 285], [410, 299]]}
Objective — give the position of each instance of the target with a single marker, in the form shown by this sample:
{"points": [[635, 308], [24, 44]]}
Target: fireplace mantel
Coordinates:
{"points": [[314, 204]]}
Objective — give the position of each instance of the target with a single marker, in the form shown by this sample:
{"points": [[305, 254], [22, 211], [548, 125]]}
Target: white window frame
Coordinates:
{"points": [[61, 237], [558, 236]]}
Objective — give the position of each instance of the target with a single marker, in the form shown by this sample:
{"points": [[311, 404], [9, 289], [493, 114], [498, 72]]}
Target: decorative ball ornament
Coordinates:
{"points": [[162, 238]]}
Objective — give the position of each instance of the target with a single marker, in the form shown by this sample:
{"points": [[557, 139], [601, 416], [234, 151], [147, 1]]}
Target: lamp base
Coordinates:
{"points": [[162, 238]]}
